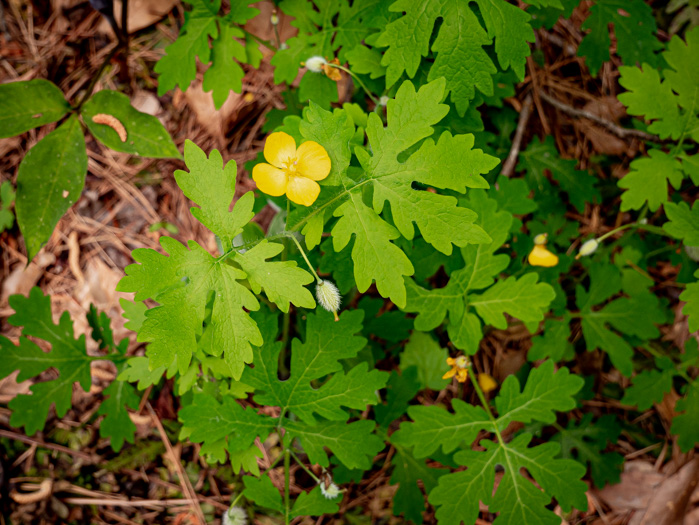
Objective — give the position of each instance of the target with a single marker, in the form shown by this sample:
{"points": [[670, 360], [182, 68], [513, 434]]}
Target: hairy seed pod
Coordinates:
{"points": [[328, 297], [112, 122]]}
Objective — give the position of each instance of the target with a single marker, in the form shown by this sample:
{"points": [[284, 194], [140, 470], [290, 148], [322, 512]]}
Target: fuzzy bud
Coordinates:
{"points": [[274, 19], [692, 252], [383, 100], [331, 491], [235, 516], [588, 248], [316, 64], [541, 239], [328, 297]]}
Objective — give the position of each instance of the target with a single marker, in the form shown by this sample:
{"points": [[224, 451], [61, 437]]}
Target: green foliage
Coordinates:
{"points": [[425, 354], [691, 309], [670, 102], [458, 49], [683, 222], [179, 65], [7, 197], [189, 280], [310, 403], [473, 294], [145, 135], [634, 28], [69, 358], [586, 442], [52, 173], [334, 28], [440, 165], [542, 157], [457, 495], [28, 105]]}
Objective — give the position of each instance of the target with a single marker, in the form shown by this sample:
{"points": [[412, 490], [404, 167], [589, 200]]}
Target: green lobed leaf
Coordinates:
{"points": [[117, 424], [459, 45], [51, 173], [313, 503], [648, 179], [29, 104], [178, 67], [691, 309], [634, 28], [683, 222], [185, 282], [684, 425], [262, 492], [400, 390], [450, 164], [516, 498], [425, 354], [145, 135], [225, 74], [326, 343], [586, 442], [541, 157]]}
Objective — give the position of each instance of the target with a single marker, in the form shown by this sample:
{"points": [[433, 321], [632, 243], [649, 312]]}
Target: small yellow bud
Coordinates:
{"points": [[487, 383], [588, 248], [541, 239], [540, 256], [328, 297], [274, 19]]}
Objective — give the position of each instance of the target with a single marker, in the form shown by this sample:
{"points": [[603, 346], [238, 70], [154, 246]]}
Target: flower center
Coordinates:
{"points": [[462, 362], [289, 165]]}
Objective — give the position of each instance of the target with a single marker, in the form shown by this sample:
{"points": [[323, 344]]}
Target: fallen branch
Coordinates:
{"points": [[508, 167], [581, 113]]}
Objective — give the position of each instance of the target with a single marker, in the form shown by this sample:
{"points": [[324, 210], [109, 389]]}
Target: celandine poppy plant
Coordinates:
{"points": [[292, 171]]}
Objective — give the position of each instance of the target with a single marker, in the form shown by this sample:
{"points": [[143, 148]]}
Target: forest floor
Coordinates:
{"points": [[67, 474]]}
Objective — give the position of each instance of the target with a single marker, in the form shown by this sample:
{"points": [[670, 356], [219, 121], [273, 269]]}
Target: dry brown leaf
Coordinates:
{"points": [[142, 13], [211, 119], [22, 279], [638, 483], [669, 501]]}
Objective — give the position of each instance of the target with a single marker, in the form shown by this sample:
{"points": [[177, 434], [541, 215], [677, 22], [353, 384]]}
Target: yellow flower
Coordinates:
{"points": [[290, 170], [540, 256], [459, 368]]}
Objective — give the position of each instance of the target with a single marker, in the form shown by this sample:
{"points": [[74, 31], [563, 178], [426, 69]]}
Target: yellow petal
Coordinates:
{"points": [[462, 375], [451, 361], [302, 190], [312, 161], [449, 374], [269, 179], [487, 383], [540, 256], [280, 147]]}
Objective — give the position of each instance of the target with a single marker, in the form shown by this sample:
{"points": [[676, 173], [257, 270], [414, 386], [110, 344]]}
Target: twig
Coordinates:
{"points": [[187, 488], [50, 446], [108, 502], [508, 167], [581, 113]]}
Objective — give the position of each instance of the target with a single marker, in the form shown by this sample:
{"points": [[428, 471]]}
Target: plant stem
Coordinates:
{"points": [[97, 76], [486, 406], [305, 258], [359, 81], [300, 463], [259, 40], [287, 465]]}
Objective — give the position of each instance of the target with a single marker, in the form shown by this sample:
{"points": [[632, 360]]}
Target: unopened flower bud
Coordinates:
{"points": [[274, 19], [541, 239], [328, 297], [331, 491], [316, 64], [588, 248], [235, 516], [692, 252], [383, 100]]}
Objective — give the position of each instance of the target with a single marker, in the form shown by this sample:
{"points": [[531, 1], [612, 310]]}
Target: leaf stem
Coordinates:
{"points": [[359, 81], [287, 465], [300, 464], [486, 406], [305, 258]]}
